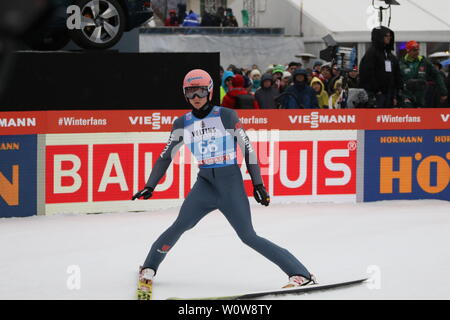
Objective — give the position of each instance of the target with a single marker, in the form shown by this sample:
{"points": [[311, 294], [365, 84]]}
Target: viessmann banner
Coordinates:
{"points": [[45, 122]]}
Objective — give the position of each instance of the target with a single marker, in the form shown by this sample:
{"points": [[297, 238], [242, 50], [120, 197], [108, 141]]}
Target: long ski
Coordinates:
{"points": [[297, 291]]}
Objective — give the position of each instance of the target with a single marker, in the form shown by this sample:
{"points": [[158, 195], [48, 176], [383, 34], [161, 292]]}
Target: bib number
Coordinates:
{"points": [[207, 146]]}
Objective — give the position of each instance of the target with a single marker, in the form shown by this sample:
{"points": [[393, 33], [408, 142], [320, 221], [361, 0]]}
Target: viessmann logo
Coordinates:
{"points": [[155, 120], [445, 117], [17, 122], [315, 119]]}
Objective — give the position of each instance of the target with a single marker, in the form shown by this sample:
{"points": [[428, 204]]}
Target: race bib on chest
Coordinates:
{"points": [[208, 140]]}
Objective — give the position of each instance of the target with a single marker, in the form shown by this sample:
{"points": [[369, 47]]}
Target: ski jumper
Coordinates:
{"points": [[219, 185]]}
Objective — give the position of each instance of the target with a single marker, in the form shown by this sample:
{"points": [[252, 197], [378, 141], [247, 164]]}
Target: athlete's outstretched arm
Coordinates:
{"points": [[169, 151], [164, 160]]}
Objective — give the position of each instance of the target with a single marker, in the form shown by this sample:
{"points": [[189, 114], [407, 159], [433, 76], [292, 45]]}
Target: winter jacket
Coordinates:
{"points": [[374, 76], [223, 87], [191, 20], [300, 95], [266, 96], [322, 97], [448, 90], [172, 21], [238, 97], [421, 71], [335, 100], [353, 82]]}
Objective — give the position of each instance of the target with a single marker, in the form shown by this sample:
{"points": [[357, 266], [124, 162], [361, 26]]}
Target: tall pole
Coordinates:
{"points": [[301, 18], [166, 5]]}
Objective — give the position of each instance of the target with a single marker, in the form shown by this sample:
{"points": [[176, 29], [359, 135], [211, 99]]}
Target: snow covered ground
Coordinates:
{"points": [[408, 242]]}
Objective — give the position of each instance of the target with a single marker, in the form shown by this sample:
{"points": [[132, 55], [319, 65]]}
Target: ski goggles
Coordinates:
{"points": [[191, 92]]}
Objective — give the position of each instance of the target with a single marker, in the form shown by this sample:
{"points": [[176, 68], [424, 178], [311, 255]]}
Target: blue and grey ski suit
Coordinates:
{"points": [[213, 140]]}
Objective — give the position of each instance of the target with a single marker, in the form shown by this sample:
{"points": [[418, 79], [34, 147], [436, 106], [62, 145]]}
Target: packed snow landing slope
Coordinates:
{"points": [[407, 241]]}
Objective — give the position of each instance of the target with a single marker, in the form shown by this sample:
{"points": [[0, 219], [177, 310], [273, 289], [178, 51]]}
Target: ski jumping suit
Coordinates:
{"points": [[219, 185]]}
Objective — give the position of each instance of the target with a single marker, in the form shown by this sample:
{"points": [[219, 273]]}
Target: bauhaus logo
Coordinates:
{"points": [[112, 172], [103, 172], [303, 171]]}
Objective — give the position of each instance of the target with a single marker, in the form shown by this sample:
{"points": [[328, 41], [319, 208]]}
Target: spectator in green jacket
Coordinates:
{"points": [[417, 72]]}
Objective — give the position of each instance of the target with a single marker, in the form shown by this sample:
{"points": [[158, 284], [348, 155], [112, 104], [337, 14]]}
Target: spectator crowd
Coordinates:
{"points": [[382, 80], [224, 17]]}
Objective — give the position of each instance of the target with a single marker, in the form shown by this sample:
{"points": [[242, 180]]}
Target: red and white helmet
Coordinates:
{"points": [[198, 78]]}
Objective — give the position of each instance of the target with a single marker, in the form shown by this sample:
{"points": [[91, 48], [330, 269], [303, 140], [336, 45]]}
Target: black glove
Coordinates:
{"points": [[147, 192], [261, 195]]}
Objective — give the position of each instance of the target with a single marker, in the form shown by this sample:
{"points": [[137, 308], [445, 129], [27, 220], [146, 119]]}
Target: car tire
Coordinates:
{"points": [[102, 25]]}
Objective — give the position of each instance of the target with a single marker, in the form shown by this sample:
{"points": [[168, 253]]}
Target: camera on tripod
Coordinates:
{"points": [[344, 57]]}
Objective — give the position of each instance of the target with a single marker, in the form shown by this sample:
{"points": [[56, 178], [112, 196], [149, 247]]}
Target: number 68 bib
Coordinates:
{"points": [[209, 141]]}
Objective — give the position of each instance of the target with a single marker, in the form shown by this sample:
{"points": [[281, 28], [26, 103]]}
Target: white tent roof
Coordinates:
{"points": [[422, 20]]}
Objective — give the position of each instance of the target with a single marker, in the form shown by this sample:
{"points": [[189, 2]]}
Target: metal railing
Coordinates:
{"points": [[212, 30]]}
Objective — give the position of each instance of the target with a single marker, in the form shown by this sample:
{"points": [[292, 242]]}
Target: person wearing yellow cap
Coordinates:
{"points": [[418, 74]]}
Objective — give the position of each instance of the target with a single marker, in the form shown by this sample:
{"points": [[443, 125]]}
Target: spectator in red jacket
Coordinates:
{"points": [[172, 20], [238, 97]]}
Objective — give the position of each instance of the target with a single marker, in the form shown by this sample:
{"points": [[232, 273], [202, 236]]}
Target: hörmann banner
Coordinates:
{"points": [[18, 175], [407, 164]]}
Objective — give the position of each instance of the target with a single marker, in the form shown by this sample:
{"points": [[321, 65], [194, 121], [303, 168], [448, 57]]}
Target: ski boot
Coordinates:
{"points": [[299, 281], [145, 283]]}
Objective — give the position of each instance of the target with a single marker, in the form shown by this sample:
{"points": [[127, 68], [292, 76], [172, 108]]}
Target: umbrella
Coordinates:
{"points": [[438, 55], [445, 62]]}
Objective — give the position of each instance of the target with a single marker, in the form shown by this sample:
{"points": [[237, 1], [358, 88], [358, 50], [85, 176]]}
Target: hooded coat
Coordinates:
{"points": [[266, 96], [223, 87], [322, 97], [300, 95], [191, 20], [335, 99], [238, 97], [374, 76]]}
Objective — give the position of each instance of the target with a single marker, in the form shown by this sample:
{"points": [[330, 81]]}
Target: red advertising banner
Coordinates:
{"points": [[42, 122], [111, 172]]}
